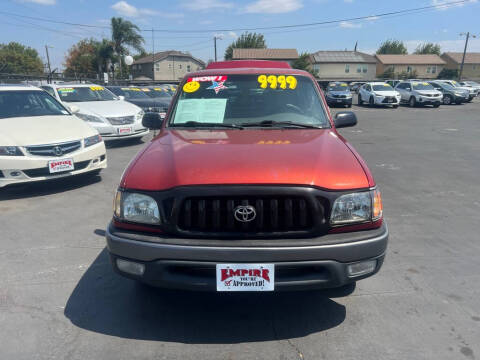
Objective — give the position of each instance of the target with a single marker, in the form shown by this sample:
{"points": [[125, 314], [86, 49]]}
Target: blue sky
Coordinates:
{"points": [[442, 26]]}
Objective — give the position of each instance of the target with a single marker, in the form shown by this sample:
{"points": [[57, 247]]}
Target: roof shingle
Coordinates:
{"points": [[425, 59], [470, 58], [342, 57], [265, 54], [164, 54]]}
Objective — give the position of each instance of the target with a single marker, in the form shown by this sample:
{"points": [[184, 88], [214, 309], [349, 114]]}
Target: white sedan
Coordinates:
{"points": [[378, 93], [41, 140], [112, 117]]}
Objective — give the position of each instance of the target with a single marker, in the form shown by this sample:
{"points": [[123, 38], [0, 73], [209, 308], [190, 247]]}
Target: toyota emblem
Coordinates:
{"points": [[245, 213], [57, 150]]}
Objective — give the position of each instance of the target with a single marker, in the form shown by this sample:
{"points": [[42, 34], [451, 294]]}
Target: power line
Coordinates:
{"points": [[325, 22]]}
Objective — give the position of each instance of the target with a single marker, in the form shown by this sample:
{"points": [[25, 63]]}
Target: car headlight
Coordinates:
{"points": [[10, 151], [89, 118], [139, 116], [137, 208], [92, 140], [357, 208]]}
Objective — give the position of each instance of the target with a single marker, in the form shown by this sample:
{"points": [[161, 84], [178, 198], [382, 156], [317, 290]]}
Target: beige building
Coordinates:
{"points": [[343, 65], [471, 67], [170, 65], [423, 66], [288, 55]]}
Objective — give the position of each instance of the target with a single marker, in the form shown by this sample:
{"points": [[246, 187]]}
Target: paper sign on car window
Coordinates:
{"points": [[200, 110]]}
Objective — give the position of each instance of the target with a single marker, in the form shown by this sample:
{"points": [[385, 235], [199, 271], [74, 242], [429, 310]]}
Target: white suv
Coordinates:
{"points": [[112, 117], [415, 93], [40, 139], [378, 93]]}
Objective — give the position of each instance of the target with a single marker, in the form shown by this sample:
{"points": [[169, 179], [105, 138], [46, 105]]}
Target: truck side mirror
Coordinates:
{"points": [[152, 120], [345, 119]]}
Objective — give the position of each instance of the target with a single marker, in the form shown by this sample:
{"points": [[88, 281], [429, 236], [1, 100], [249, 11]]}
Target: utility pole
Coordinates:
{"points": [[464, 53], [215, 37], [48, 62], [153, 54]]}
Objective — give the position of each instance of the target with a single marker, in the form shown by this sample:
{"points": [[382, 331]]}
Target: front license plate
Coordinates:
{"points": [[162, 115], [55, 166], [124, 130], [245, 277], [339, 101]]}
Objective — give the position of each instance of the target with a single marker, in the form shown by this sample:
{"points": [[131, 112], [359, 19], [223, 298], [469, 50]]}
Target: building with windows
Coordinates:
{"points": [[343, 65], [471, 67], [426, 66], [169, 65]]}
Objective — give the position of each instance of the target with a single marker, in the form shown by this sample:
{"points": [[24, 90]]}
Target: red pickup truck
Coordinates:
{"points": [[248, 187]]}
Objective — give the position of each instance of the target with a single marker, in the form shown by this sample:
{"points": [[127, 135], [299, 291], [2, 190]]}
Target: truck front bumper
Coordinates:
{"points": [[188, 264]]}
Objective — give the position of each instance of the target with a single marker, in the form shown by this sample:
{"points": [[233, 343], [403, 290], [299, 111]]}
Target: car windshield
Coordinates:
{"points": [[338, 87], [158, 93], [422, 86], [134, 93], [85, 93], [472, 83], [29, 103], [246, 100], [446, 86], [382, 87]]}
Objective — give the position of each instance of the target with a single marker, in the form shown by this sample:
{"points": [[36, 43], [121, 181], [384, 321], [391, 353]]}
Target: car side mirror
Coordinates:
{"points": [[345, 119], [408, 89], [74, 109], [152, 120], [121, 97]]}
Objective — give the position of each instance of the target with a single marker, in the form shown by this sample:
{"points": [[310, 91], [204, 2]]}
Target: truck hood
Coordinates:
{"points": [[201, 157], [114, 108], [39, 130]]}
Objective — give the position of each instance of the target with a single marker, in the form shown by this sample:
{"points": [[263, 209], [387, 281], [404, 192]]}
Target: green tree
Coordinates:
{"points": [[246, 41], [428, 48], [104, 55], [304, 63], [89, 57], [392, 47], [448, 74], [16, 58], [125, 35]]}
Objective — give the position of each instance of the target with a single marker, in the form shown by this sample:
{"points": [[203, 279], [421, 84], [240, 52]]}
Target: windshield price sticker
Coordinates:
{"points": [[217, 78], [66, 90], [97, 88], [146, 90], [280, 81], [343, 84]]}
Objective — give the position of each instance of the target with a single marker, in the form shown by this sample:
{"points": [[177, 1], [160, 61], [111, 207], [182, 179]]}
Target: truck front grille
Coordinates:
{"points": [[271, 214]]}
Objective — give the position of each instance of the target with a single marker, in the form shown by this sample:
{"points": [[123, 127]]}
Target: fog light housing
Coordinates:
{"points": [[130, 267], [361, 268]]}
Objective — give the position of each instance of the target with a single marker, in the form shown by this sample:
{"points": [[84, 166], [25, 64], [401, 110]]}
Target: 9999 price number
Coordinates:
{"points": [[277, 82]]}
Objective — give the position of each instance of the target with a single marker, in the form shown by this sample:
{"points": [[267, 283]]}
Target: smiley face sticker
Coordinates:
{"points": [[191, 86]]}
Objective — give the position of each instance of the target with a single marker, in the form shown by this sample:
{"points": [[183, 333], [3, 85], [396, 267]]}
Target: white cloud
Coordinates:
{"points": [[273, 6], [350, 25], [202, 5], [125, 9], [41, 2], [232, 34], [443, 4]]}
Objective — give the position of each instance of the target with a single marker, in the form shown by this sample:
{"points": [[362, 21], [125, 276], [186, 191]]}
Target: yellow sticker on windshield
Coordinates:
{"points": [[424, 83], [386, 85], [157, 89], [97, 88], [66, 90], [343, 85], [277, 82], [146, 90], [191, 86]]}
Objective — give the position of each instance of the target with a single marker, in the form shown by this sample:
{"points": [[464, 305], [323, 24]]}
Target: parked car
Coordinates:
{"points": [[248, 187], [378, 93], [42, 140], [139, 97], [156, 92], [471, 84], [392, 83], [355, 86], [113, 118], [338, 93], [472, 91], [450, 94], [419, 93]]}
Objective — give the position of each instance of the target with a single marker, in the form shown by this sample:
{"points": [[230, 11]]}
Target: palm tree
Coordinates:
{"points": [[246, 40], [125, 34], [104, 55]]}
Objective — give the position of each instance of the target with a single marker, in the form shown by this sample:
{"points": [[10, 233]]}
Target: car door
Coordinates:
{"points": [[362, 91], [404, 91]]}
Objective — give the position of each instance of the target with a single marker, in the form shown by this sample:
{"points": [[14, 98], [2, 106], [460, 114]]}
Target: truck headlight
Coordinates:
{"points": [[135, 207], [10, 151], [92, 140], [357, 208], [89, 118]]}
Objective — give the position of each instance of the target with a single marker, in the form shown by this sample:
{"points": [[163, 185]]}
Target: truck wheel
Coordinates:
{"points": [[412, 102], [360, 101], [371, 101], [447, 99]]}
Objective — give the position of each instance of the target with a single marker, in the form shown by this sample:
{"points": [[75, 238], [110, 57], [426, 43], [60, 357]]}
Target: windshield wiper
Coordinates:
{"points": [[273, 123], [202, 124]]}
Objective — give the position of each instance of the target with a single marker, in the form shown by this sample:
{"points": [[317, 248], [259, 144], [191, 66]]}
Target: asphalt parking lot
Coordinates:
{"points": [[59, 298]]}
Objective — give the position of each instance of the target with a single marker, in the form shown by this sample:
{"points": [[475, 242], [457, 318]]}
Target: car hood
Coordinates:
{"points": [[153, 102], [339, 93], [112, 108], [39, 130], [428, 92], [200, 157], [387, 93]]}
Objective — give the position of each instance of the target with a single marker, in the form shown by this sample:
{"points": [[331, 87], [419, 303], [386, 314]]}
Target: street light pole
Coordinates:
{"points": [[467, 34]]}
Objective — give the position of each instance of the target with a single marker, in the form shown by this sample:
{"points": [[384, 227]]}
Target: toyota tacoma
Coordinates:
{"points": [[248, 186]]}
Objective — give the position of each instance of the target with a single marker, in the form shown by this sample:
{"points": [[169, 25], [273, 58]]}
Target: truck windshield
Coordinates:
{"points": [[85, 93], [29, 103], [246, 100]]}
